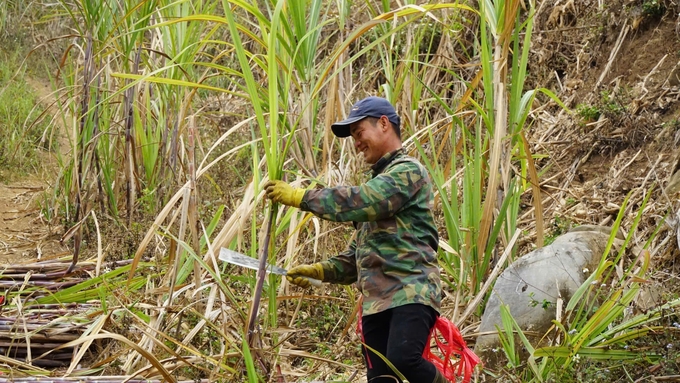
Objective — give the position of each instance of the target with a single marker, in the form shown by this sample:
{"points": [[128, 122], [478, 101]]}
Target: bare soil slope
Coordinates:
{"points": [[615, 67], [24, 235]]}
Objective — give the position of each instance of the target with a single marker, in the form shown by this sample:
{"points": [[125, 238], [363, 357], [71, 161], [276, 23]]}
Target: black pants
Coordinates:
{"points": [[399, 334]]}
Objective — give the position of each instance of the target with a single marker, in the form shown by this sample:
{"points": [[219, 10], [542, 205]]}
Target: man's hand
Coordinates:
{"points": [[279, 191], [300, 275]]}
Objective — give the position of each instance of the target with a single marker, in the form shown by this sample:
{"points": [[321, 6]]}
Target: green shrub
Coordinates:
{"points": [[588, 113], [653, 8]]}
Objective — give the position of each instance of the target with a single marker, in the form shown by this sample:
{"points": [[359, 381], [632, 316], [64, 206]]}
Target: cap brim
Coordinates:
{"points": [[341, 128]]}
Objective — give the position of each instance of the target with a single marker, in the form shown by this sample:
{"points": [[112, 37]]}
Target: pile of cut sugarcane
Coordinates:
{"points": [[38, 333], [34, 330]]}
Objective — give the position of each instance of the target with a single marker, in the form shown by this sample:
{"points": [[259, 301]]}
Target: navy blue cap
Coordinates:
{"points": [[368, 107]]}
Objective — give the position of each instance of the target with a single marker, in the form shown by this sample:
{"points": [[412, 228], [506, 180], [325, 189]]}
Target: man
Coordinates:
{"points": [[393, 256]]}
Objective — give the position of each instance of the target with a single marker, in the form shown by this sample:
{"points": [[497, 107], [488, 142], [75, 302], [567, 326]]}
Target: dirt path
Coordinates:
{"points": [[25, 234]]}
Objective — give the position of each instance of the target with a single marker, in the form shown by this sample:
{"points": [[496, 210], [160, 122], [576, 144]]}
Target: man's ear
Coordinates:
{"points": [[385, 123]]}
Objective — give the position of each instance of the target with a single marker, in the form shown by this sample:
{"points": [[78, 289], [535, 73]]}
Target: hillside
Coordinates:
{"points": [[617, 71]]}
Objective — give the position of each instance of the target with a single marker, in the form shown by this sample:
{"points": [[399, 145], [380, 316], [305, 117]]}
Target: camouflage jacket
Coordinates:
{"points": [[393, 256]]}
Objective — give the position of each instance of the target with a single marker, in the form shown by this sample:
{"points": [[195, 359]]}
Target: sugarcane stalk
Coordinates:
{"points": [[79, 156], [24, 345], [192, 215], [20, 354], [50, 269], [37, 337], [255, 308], [46, 284]]}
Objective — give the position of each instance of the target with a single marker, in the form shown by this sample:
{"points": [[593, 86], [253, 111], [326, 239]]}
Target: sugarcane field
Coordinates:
{"points": [[314, 191]]}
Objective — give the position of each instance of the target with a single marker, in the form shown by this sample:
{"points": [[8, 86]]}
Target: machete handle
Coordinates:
{"points": [[314, 282]]}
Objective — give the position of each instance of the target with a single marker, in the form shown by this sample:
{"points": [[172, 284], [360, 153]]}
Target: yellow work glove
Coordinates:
{"points": [[301, 275], [279, 191]]}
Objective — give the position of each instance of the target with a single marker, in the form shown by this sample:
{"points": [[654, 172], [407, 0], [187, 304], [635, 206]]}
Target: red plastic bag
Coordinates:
{"points": [[457, 359]]}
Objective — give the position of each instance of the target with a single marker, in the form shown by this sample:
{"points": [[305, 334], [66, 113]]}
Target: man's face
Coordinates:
{"points": [[369, 138]]}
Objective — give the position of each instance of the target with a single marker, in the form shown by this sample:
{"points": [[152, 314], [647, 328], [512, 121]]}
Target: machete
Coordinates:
{"points": [[230, 256]]}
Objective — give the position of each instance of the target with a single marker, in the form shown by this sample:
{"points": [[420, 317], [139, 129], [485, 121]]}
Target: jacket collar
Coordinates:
{"points": [[385, 160]]}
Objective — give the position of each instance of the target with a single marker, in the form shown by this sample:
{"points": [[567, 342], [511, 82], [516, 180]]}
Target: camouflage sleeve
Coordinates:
{"points": [[341, 269], [377, 199]]}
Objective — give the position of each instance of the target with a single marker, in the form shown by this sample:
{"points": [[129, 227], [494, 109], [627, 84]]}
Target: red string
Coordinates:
{"points": [[457, 359]]}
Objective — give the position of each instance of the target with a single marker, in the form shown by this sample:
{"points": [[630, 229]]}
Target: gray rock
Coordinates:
{"points": [[673, 185], [532, 284], [600, 229]]}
